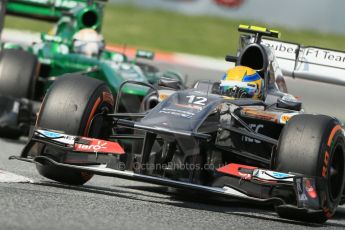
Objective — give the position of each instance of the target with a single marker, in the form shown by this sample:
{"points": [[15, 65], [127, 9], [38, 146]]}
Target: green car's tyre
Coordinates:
{"points": [[69, 106], [18, 72], [314, 145]]}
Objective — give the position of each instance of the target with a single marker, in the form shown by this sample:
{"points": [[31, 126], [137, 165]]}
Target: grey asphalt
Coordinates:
{"points": [[110, 203]]}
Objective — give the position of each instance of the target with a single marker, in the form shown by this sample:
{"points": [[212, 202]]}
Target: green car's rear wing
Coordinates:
{"points": [[86, 13], [50, 10]]}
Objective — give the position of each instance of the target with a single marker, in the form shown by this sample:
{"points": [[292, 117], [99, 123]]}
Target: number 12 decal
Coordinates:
{"points": [[196, 100]]}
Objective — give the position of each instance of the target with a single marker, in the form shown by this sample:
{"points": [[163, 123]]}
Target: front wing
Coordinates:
{"points": [[244, 182]]}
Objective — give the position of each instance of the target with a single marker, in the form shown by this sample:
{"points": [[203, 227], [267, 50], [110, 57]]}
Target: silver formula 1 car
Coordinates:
{"points": [[266, 151]]}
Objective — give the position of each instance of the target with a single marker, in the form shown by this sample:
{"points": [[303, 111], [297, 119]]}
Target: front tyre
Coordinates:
{"points": [[314, 145], [69, 106]]}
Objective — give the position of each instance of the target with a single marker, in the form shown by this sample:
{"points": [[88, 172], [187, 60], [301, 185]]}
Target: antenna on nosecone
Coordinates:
{"points": [[208, 88]]}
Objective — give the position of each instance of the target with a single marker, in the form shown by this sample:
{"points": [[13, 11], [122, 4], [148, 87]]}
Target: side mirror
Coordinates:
{"points": [[289, 104], [170, 83], [230, 58], [51, 38], [145, 54], [10, 46]]}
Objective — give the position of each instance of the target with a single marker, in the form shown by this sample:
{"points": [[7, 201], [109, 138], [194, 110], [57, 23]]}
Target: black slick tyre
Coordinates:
{"points": [[18, 72], [314, 145], [69, 106]]}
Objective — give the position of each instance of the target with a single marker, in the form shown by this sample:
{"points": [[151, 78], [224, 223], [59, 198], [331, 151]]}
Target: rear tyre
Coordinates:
{"points": [[18, 72], [69, 106], [314, 145]]}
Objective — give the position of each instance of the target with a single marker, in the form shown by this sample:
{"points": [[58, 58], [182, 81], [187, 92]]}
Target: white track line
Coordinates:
{"points": [[8, 177]]}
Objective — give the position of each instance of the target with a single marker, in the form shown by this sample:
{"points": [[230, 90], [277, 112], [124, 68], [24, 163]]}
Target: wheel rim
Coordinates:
{"points": [[96, 127]]}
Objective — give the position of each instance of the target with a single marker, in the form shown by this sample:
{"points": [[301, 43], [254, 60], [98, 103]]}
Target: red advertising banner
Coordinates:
{"points": [[229, 3]]}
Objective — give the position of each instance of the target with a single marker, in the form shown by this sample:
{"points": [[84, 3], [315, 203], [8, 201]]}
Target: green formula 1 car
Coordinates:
{"points": [[74, 46]]}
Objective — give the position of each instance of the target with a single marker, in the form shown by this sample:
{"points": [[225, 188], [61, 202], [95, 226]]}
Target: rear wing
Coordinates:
{"points": [[295, 60], [306, 62], [47, 10]]}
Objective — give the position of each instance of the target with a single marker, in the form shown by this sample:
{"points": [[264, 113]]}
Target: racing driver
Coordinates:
{"points": [[88, 42]]}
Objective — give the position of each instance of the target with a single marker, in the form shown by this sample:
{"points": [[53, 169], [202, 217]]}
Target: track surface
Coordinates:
{"points": [[109, 203]]}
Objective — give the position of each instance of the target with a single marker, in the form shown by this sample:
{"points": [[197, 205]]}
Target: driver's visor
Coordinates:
{"points": [[248, 87]]}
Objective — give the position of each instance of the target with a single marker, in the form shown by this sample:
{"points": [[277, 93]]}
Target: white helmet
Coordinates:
{"points": [[88, 42]]}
